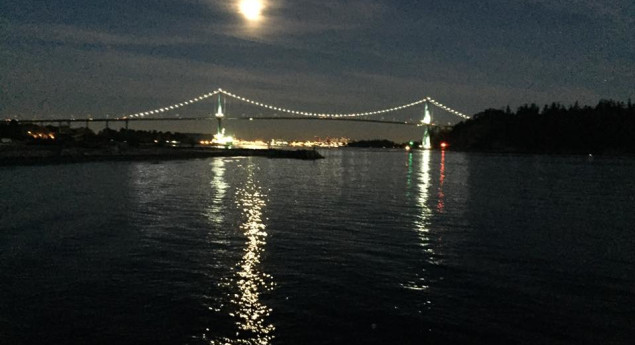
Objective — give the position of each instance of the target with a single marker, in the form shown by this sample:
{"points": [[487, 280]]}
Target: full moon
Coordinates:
{"points": [[251, 9]]}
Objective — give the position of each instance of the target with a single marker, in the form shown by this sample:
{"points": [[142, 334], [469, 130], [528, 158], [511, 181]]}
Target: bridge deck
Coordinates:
{"points": [[261, 118]]}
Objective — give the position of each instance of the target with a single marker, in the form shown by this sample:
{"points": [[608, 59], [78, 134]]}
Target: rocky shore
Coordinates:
{"points": [[37, 155]]}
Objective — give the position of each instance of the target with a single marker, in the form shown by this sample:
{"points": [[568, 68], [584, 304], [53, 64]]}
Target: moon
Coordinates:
{"points": [[251, 9]]}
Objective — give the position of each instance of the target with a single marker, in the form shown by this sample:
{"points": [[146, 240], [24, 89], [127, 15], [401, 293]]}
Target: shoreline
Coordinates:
{"points": [[55, 155]]}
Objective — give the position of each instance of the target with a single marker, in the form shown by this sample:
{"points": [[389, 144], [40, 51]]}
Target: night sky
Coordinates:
{"points": [[62, 58]]}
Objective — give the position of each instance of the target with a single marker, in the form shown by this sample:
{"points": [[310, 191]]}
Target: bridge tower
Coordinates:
{"points": [[220, 138], [426, 122], [219, 116]]}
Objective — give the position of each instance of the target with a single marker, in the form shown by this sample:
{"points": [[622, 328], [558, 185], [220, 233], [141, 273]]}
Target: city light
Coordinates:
{"points": [[262, 144], [45, 136], [222, 139]]}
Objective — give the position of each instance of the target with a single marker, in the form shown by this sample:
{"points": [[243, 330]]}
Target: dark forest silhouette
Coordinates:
{"points": [[609, 127]]}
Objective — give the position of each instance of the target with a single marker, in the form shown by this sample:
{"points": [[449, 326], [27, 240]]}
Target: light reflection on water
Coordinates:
{"points": [[422, 221], [249, 281], [219, 186], [441, 195], [409, 164]]}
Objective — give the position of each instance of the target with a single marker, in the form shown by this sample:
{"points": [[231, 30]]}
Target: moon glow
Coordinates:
{"points": [[251, 9]]}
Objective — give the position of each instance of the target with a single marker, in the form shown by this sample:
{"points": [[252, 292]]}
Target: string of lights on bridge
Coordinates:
{"points": [[297, 112]]}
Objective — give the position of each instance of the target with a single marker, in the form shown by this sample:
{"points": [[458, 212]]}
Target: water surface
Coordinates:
{"points": [[364, 247]]}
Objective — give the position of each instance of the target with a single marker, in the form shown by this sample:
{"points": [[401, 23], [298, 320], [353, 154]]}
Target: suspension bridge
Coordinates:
{"points": [[219, 97]]}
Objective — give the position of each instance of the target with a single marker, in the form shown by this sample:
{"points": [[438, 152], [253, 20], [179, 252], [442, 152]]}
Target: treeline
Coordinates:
{"points": [[609, 127], [85, 137]]}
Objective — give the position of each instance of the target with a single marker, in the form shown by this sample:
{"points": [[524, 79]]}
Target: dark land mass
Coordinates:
{"points": [[607, 128], [437, 134], [31, 144], [377, 143], [46, 155]]}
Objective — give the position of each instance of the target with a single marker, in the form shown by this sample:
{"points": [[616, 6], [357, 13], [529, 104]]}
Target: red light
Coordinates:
{"points": [[444, 145]]}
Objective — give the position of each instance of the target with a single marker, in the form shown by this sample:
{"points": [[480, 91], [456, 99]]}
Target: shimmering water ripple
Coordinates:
{"points": [[369, 247]]}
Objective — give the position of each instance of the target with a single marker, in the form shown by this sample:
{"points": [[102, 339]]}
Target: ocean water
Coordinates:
{"points": [[363, 247]]}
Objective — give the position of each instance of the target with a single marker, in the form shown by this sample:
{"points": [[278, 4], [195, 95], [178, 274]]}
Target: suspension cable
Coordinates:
{"points": [[298, 112]]}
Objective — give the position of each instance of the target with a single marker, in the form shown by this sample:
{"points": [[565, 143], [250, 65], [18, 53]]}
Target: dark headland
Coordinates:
{"points": [[30, 144], [32, 155]]}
